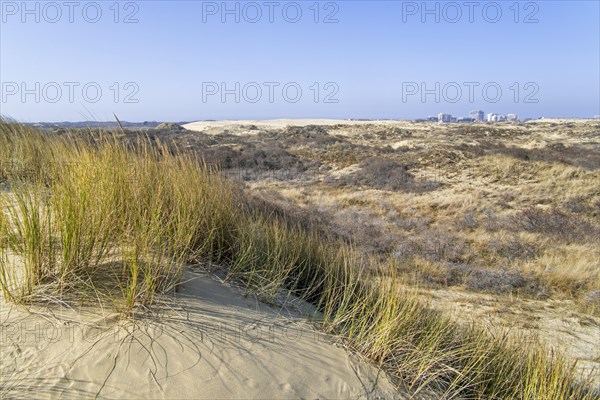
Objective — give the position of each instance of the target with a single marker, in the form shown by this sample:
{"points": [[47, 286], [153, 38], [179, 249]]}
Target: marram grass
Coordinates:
{"points": [[95, 219]]}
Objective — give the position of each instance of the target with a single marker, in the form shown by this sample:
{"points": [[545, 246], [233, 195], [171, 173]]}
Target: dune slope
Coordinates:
{"points": [[211, 342]]}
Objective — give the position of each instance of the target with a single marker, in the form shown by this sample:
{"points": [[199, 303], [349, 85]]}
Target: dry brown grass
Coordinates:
{"points": [[502, 199]]}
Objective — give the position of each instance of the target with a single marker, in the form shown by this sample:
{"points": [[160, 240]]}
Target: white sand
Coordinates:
{"points": [[563, 120], [212, 342], [281, 123]]}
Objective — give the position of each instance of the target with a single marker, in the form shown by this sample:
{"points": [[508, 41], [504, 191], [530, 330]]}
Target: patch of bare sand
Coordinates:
{"points": [[280, 123], [562, 120], [553, 321], [211, 342]]}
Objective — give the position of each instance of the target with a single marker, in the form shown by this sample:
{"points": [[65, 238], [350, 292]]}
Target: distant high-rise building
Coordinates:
{"points": [[477, 115], [512, 117], [496, 117], [444, 117]]}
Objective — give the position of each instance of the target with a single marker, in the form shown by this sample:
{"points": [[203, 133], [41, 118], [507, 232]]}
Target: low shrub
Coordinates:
{"points": [[386, 174]]}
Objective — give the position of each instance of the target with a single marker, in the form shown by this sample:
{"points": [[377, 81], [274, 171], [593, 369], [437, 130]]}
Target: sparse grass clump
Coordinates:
{"points": [[94, 218], [98, 215]]}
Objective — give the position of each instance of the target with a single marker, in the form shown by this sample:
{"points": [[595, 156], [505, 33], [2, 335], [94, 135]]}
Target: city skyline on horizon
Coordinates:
{"points": [[420, 119]]}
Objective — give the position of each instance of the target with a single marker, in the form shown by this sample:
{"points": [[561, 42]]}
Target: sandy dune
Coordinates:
{"points": [[563, 120], [280, 123], [211, 342]]}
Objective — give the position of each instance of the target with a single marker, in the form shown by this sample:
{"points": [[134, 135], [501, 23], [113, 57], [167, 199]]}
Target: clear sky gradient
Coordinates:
{"points": [[171, 60]]}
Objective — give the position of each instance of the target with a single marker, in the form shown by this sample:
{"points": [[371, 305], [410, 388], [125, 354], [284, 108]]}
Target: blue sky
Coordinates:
{"points": [[179, 61]]}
